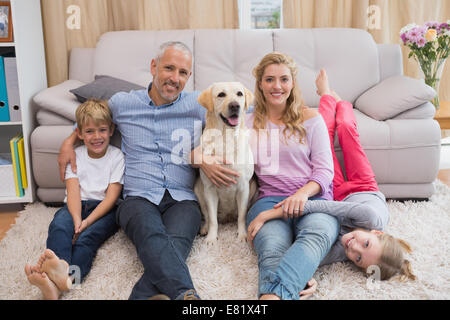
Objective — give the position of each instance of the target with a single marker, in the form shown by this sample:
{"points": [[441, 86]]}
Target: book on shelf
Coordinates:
{"points": [[16, 159], [23, 169]]}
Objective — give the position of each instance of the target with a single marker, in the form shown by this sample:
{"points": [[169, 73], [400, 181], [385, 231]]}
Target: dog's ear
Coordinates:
{"points": [[248, 98], [205, 99]]}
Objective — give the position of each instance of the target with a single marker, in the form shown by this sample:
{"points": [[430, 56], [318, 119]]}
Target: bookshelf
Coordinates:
{"points": [[28, 45]]}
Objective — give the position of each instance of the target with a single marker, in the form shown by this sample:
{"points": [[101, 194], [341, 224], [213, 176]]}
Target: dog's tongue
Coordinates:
{"points": [[233, 121]]}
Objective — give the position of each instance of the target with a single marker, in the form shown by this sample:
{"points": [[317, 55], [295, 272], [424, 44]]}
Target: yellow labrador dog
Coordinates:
{"points": [[226, 135]]}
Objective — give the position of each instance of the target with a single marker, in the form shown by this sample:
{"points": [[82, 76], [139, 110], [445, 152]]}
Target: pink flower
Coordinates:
{"points": [[443, 27], [432, 24], [404, 38], [421, 42], [413, 33]]}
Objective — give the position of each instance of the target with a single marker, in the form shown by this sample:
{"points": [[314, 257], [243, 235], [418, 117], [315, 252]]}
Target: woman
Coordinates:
{"points": [[363, 206], [293, 163]]}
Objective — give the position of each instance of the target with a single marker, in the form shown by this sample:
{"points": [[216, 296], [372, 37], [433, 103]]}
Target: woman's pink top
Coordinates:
{"points": [[284, 168]]}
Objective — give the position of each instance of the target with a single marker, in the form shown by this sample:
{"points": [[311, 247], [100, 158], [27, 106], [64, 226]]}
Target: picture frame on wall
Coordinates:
{"points": [[6, 34]]}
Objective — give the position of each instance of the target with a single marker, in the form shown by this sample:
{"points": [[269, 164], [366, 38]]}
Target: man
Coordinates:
{"points": [[160, 213]]}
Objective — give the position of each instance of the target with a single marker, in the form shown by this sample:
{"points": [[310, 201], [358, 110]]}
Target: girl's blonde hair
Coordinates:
{"points": [[95, 110], [293, 115], [392, 261]]}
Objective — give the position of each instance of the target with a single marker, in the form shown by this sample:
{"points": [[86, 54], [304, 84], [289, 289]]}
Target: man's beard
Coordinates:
{"points": [[161, 92]]}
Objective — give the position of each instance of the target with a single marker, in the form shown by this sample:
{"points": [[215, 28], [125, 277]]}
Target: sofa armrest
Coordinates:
{"points": [[424, 111], [59, 100], [390, 60], [393, 96], [48, 118], [81, 65]]}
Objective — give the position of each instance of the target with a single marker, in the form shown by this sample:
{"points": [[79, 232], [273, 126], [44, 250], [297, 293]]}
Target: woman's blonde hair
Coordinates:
{"points": [[95, 110], [293, 115], [392, 261]]}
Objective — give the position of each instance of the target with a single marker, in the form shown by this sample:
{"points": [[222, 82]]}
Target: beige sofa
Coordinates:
{"points": [[395, 120]]}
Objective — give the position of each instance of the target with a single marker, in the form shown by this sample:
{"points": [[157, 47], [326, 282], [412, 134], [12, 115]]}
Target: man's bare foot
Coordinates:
{"points": [[40, 280], [322, 84], [269, 297], [57, 270]]}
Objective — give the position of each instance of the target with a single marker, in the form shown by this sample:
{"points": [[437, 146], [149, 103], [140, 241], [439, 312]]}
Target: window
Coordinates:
{"points": [[260, 14]]}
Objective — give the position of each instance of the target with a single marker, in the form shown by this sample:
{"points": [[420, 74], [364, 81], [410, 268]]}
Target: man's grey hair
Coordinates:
{"points": [[178, 45]]}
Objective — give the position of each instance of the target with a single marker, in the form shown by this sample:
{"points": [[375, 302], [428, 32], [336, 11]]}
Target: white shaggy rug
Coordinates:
{"points": [[229, 270]]}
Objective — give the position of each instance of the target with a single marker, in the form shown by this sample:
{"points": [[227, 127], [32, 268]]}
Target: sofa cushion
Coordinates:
{"points": [[229, 55], [59, 100], [103, 87], [350, 57], [393, 96], [127, 54], [81, 57]]}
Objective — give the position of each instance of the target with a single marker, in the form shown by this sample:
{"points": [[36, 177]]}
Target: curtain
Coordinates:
{"points": [[393, 15], [79, 23]]}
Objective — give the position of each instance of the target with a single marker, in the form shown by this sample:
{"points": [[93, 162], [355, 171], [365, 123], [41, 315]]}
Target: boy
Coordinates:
{"points": [[88, 218]]}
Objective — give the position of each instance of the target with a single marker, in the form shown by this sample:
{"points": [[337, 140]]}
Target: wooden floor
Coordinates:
{"points": [[8, 213], [444, 176]]}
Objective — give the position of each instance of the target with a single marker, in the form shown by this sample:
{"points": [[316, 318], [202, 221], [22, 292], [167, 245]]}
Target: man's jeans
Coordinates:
{"points": [[290, 251], [163, 235], [82, 253]]}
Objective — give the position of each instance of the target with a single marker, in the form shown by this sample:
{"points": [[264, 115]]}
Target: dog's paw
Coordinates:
{"points": [[211, 239], [242, 232], [204, 230], [242, 236]]}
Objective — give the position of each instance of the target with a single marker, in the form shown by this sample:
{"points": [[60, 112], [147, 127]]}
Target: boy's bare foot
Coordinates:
{"points": [[40, 280], [57, 270], [322, 84]]}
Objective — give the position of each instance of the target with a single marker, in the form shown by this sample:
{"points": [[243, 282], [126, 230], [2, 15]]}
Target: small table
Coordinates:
{"points": [[443, 115]]}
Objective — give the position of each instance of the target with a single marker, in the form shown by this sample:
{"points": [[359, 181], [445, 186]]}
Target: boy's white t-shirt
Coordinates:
{"points": [[95, 175]]}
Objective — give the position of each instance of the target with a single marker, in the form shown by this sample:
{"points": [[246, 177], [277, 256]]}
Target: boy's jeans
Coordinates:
{"points": [[82, 253], [163, 235], [290, 251]]}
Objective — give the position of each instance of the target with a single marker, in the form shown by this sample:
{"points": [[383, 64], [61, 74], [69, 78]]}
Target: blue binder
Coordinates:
{"points": [[4, 107]]}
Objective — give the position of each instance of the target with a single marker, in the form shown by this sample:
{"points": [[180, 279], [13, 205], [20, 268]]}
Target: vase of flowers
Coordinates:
{"points": [[430, 47]]}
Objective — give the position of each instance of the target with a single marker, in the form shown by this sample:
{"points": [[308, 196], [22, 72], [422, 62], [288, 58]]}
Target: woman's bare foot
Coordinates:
{"points": [[56, 269], [40, 280], [322, 84]]}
